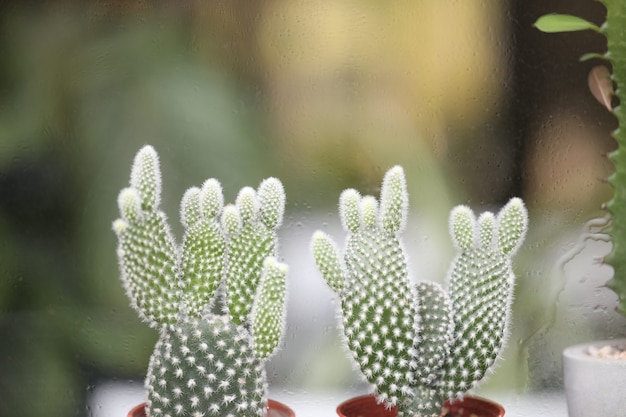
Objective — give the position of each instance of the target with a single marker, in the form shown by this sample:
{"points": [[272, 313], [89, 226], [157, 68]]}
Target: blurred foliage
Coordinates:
{"points": [[84, 92], [325, 95]]}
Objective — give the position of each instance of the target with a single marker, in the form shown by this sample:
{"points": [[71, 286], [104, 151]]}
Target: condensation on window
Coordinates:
{"points": [[469, 98]]}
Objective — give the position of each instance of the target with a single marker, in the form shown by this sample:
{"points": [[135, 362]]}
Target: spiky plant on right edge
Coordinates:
{"points": [[204, 364], [420, 344], [615, 34]]}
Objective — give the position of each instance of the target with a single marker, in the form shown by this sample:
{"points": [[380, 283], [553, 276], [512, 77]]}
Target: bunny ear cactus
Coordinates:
{"points": [[613, 30], [420, 344], [480, 286], [377, 298], [204, 364]]}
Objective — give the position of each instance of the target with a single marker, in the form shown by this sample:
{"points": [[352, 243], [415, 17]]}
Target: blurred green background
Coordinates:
{"points": [[475, 103]]}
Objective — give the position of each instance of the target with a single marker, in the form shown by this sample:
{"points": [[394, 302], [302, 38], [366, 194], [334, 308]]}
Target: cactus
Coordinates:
{"points": [[420, 344], [613, 29], [204, 363]]}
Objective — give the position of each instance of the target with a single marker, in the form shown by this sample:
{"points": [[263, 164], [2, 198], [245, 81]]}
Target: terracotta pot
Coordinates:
{"points": [[366, 406], [275, 409]]}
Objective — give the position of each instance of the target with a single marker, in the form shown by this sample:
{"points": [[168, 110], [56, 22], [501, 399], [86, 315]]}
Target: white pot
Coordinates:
{"points": [[595, 387]]}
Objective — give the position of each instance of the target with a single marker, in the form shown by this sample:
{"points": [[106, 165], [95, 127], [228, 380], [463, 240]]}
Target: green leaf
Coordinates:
{"points": [[554, 23], [592, 55]]}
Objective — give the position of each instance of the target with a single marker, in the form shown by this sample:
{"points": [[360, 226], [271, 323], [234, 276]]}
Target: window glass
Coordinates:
{"points": [[476, 104]]}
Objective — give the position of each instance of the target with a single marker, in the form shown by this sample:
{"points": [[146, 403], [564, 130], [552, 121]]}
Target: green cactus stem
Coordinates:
{"points": [[204, 364], [613, 29], [147, 251], [420, 344], [480, 285], [206, 367], [616, 42], [252, 239], [379, 315]]}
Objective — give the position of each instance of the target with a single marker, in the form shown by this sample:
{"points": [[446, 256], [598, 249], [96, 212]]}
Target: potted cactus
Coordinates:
{"points": [[595, 372], [421, 346], [217, 299]]}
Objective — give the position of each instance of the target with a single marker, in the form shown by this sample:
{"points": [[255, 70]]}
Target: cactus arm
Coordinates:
{"points": [[145, 177], [378, 303], [268, 312], [369, 211], [146, 247], [349, 210], [616, 43], [379, 312], [327, 261], [394, 200], [512, 225], [204, 246], [481, 291], [271, 195], [486, 229], [462, 227], [436, 331], [247, 249], [435, 340], [251, 243]]}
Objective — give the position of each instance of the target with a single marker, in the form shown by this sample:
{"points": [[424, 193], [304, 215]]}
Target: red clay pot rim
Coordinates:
{"points": [[497, 409], [271, 404]]}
